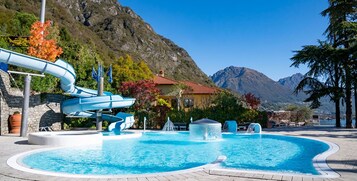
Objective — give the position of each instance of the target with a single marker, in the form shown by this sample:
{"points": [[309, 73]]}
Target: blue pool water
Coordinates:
{"points": [[115, 133], [158, 152]]}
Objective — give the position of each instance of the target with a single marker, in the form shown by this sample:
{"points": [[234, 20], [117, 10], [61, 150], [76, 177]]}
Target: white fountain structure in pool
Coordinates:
{"points": [[254, 128], [205, 129], [169, 125]]}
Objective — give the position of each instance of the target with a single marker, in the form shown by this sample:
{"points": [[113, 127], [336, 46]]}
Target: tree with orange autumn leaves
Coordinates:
{"points": [[40, 45]]}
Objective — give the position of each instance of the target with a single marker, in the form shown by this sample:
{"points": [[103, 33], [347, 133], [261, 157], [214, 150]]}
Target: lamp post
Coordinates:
{"points": [[99, 120], [43, 8]]}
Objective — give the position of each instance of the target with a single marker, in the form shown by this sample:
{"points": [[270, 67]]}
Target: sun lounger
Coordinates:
{"points": [[180, 126], [301, 123], [45, 128]]}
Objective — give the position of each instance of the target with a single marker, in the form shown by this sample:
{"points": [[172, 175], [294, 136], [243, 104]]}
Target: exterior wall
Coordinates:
{"points": [[44, 109], [203, 100], [199, 100], [165, 89]]}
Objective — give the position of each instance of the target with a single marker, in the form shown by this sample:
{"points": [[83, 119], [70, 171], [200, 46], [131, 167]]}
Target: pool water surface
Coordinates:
{"points": [[157, 152]]}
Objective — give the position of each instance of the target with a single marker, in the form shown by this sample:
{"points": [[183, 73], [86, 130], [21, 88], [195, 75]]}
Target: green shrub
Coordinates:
{"points": [[78, 123]]}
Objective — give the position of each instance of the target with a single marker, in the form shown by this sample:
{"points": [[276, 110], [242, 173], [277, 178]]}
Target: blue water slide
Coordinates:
{"points": [[87, 100]]}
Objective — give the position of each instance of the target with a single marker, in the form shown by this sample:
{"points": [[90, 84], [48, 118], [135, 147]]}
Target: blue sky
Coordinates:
{"points": [[258, 34]]}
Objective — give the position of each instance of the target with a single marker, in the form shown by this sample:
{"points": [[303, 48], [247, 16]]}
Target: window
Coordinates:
{"points": [[188, 103], [174, 103]]}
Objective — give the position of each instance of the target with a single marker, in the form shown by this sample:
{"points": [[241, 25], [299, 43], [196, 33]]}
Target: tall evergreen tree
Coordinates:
{"points": [[342, 32], [323, 63], [334, 60]]}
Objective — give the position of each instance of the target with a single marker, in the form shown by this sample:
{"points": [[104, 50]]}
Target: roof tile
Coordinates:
{"points": [[199, 89], [163, 80]]}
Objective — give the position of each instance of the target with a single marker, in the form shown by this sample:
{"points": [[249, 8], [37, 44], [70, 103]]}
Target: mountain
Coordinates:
{"points": [[243, 80], [112, 30], [327, 106], [274, 95], [292, 81]]}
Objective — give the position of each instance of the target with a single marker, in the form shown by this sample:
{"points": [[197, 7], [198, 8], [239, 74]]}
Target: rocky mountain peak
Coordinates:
{"points": [[292, 81], [125, 31], [244, 80], [114, 30]]}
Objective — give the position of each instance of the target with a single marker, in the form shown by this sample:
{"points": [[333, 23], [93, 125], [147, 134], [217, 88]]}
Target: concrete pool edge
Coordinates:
{"points": [[75, 138], [65, 138], [319, 163], [320, 160]]}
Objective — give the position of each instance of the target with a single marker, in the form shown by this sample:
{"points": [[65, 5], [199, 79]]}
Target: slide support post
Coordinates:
{"points": [[25, 106]]}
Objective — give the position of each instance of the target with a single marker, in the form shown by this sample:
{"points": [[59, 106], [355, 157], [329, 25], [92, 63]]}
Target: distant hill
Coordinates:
{"points": [[292, 81], [273, 95], [112, 30], [243, 80]]}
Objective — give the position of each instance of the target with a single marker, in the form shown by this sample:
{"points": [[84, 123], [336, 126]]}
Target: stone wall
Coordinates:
{"points": [[44, 109], [280, 116]]}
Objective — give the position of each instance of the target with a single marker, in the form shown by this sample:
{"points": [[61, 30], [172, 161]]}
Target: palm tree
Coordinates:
{"points": [[342, 32], [324, 65]]}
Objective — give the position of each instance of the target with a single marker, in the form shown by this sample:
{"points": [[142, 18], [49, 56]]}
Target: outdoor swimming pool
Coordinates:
{"points": [[157, 152]]}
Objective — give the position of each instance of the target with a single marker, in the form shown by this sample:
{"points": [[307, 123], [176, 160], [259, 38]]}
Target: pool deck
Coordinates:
{"points": [[344, 162]]}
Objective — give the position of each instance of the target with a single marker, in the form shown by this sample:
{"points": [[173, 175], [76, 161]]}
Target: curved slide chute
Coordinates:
{"points": [[87, 99]]}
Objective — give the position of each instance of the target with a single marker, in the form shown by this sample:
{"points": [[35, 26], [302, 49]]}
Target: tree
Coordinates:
{"points": [[14, 28], [299, 113], [21, 24], [161, 109], [17, 25], [252, 101], [342, 33], [323, 61], [226, 106], [146, 94], [333, 60], [86, 58], [41, 43], [144, 91], [126, 70]]}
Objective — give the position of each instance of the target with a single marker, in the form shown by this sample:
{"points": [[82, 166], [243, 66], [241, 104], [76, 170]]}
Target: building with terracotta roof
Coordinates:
{"points": [[166, 85], [185, 94]]}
